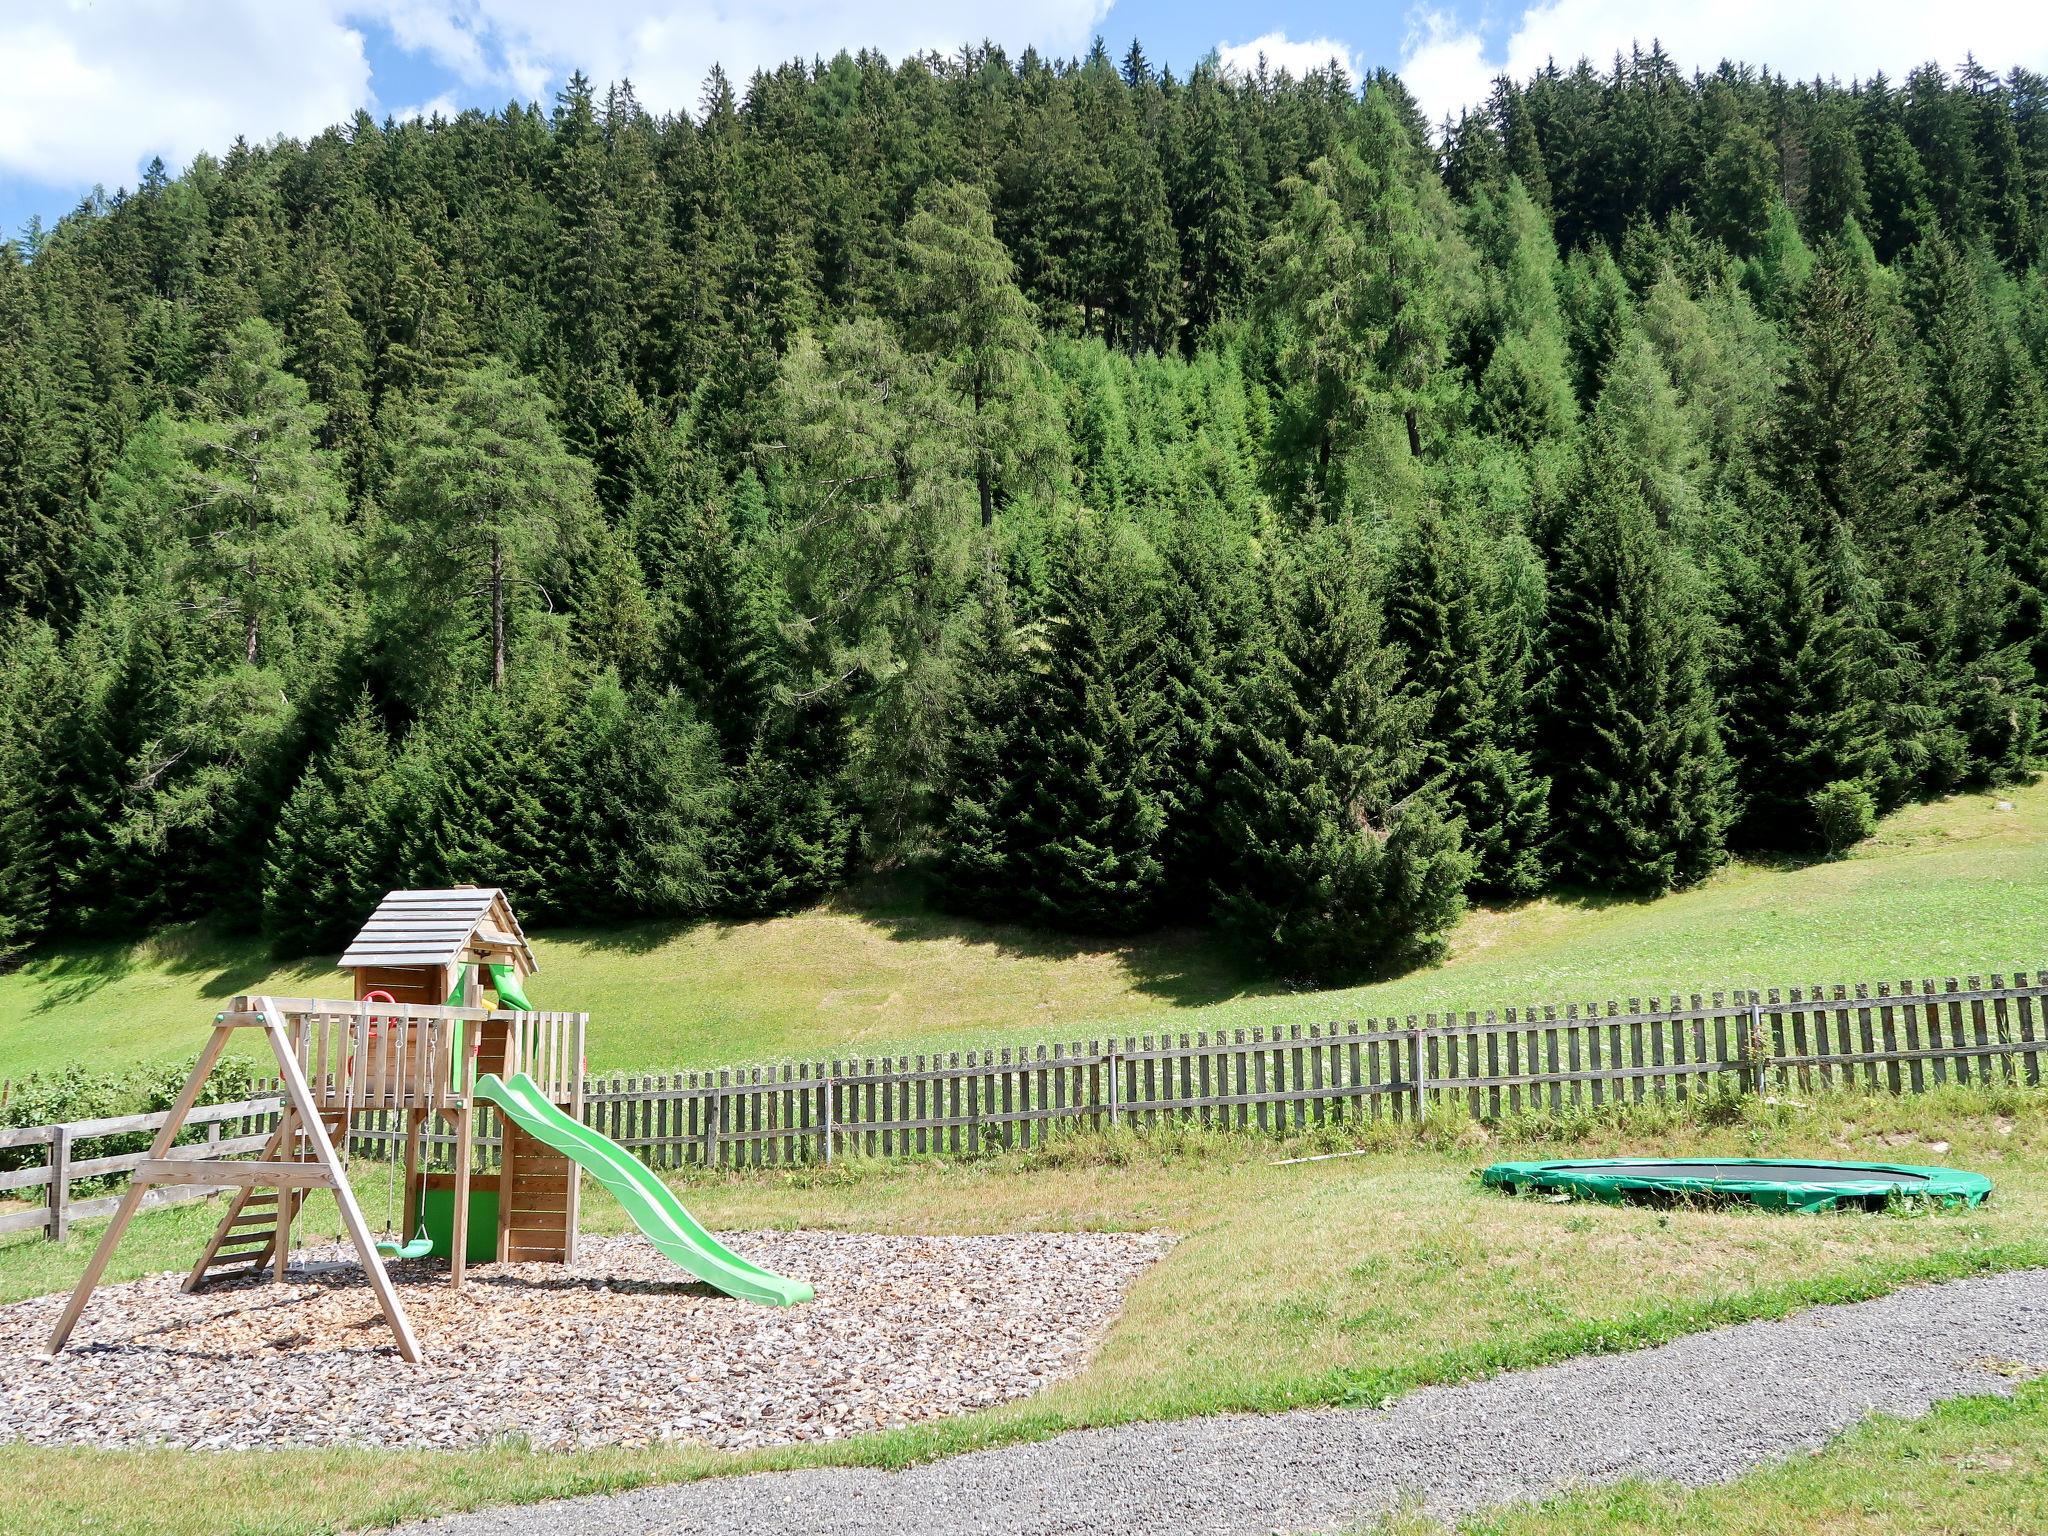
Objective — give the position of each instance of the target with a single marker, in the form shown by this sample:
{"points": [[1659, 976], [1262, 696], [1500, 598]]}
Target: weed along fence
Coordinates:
{"points": [[1898, 1039], [1902, 1038], [223, 1130]]}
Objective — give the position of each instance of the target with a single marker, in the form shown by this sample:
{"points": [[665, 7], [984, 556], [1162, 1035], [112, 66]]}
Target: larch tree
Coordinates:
{"points": [[481, 501], [963, 309]]}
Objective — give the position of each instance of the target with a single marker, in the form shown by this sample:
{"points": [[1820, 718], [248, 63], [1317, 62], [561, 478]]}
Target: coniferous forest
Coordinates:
{"points": [[1118, 498]]}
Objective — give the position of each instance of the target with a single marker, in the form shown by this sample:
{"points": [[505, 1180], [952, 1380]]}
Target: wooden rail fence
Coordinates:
{"points": [[1906, 1037]]}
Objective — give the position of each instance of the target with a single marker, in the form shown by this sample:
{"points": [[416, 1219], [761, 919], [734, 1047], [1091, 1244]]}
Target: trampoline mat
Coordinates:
{"points": [[1751, 1173]]}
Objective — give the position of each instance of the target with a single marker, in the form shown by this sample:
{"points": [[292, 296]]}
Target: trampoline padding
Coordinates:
{"points": [[1774, 1183]]}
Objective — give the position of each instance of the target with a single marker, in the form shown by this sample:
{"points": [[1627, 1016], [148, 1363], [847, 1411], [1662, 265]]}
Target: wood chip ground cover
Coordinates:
{"points": [[619, 1349]]}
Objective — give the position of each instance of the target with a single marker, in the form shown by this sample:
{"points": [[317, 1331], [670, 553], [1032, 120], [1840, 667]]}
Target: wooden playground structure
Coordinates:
{"points": [[432, 970]]}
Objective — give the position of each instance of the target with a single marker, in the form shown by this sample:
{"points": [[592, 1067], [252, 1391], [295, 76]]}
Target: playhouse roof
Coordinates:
{"points": [[467, 923]]}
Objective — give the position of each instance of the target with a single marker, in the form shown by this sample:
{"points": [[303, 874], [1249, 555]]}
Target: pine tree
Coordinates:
{"points": [[1331, 876], [261, 531], [1525, 392], [964, 309], [486, 510], [1640, 793], [333, 854], [1092, 817]]}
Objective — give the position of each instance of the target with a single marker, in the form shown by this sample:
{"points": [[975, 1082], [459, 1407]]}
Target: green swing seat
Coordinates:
{"points": [[418, 1248]]}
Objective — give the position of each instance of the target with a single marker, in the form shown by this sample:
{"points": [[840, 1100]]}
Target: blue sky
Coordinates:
{"points": [[96, 87]]}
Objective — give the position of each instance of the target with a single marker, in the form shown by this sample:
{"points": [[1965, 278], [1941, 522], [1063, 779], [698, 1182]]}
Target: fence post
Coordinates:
{"points": [[1420, 1074], [1113, 1063], [1756, 1053], [825, 1073], [60, 1183], [711, 1126]]}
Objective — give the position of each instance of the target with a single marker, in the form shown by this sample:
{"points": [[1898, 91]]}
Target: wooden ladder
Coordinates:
{"points": [[246, 1241]]}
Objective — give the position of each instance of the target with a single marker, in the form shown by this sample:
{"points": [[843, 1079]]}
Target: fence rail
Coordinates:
{"points": [[1904, 1037]]}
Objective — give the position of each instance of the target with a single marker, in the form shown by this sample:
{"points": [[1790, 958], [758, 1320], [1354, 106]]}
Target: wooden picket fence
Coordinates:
{"points": [[1898, 1038], [1906, 1037]]}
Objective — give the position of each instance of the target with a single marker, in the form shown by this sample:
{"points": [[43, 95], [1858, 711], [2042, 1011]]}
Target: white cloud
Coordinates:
{"points": [[1282, 52], [94, 91], [1448, 66], [444, 104], [1443, 64], [666, 49]]}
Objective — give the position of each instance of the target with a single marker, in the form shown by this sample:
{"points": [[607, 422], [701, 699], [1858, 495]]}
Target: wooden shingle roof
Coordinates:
{"points": [[439, 928]]}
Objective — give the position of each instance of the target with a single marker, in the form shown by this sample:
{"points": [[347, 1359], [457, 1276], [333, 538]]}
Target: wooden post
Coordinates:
{"points": [[458, 1215], [574, 1065], [131, 1199], [60, 1183], [358, 1230], [287, 1206]]}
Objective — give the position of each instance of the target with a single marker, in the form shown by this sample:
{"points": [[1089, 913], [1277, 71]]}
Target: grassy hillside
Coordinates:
{"points": [[1954, 887]]}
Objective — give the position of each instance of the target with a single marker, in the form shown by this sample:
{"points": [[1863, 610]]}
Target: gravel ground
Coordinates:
{"points": [[1699, 1410], [621, 1349]]}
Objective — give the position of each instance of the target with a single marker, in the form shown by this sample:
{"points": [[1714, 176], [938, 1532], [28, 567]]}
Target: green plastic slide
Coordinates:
{"points": [[647, 1200], [505, 981]]}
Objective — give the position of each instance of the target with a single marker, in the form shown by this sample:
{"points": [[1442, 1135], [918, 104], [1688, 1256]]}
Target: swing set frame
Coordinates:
{"points": [[416, 1057]]}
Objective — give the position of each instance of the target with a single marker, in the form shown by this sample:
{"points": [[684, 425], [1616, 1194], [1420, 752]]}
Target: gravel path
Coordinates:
{"points": [[620, 1349], [1699, 1410]]}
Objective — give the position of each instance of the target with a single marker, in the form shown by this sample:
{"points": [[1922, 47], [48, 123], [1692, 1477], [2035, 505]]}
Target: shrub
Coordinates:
{"points": [[1844, 814]]}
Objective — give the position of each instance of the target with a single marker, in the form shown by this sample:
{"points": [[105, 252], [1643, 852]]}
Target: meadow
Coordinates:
{"points": [[1953, 887]]}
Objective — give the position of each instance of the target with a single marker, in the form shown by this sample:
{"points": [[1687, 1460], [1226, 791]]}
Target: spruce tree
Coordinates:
{"points": [[1092, 809], [29, 685], [1800, 706], [1640, 791], [333, 853], [2016, 520], [975, 845], [1209, 611], [1332, 876], [636, 830], [1439, 612]]}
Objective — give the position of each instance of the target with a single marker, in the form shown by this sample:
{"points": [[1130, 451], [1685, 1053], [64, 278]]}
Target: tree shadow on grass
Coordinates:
{"points": [[229, 963], [77, 973], [1186, 967]]}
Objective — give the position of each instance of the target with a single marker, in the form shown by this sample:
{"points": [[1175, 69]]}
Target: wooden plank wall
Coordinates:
{"points": [[1902, 1037]]}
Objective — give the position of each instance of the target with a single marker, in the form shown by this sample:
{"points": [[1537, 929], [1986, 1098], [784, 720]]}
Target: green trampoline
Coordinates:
{"points": [[1774, 1183]]}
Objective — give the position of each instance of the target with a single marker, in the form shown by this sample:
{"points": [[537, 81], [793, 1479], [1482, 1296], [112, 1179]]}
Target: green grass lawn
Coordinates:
{"points": [[1976, 1466], [1348, 1281], [1955, 887]]}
